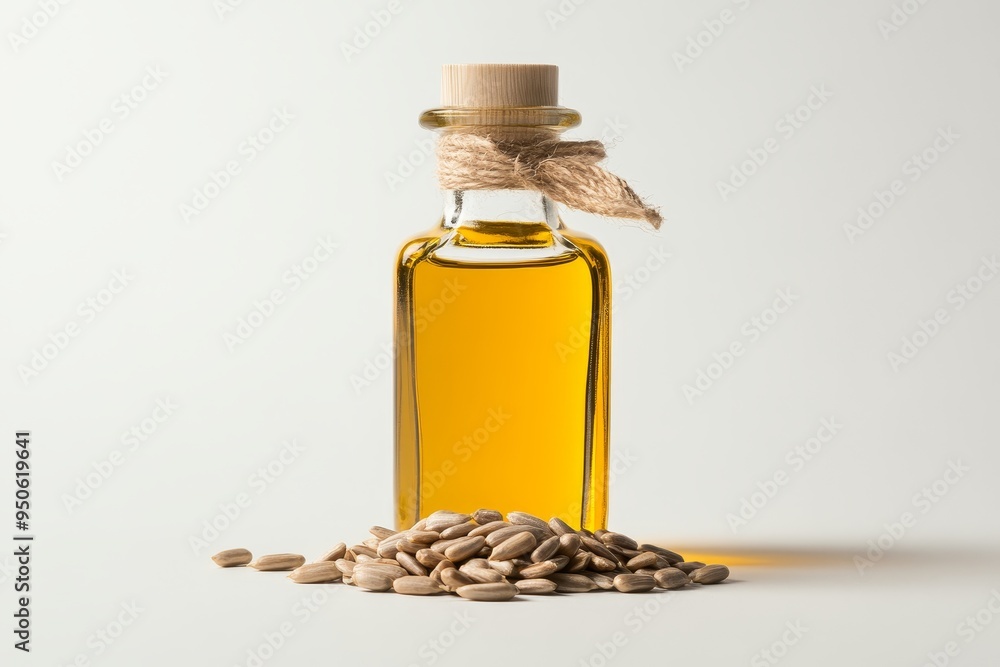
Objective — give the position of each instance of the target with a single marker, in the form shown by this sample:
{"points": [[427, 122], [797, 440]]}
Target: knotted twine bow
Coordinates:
{"points": [[565, 171]]}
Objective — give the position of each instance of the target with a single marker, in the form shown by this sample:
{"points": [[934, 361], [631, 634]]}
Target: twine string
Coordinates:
{"points": [[565, 171]]}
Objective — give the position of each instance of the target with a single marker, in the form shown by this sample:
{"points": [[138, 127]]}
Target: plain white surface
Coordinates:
{"points": [[684, 466]]}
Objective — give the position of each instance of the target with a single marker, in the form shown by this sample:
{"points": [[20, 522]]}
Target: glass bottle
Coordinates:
{"points": [[502, 333]]}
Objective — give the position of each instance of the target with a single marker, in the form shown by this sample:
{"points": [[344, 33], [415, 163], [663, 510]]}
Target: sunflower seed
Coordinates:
{"points": [[483, 575], [569, 544], [525, 519], [545, 549], [662, 563], [410, 564], [710, 574], [621, 557], [452, 579], [541, 534], [535, 586], [392, 539], [688, 567], [539, 570], [441, 545], [278, 562], [619, 540], [380, 533], [474, 564], [671, 556], [572, 583], [361, 549], [495, 592], [488, 528], [647, 559], [346, 566], [316, 573], [461, 530], [561, 561], [597, 548], [232, 557], [671, 578], [579, 562], [441, 567], [411, 585], [464, 548], [602, 564], [560, 527], [334, 554], [517, 545], [388, 549], [429, 557], [391, 568], [483, 517], [372, 579], [498, 536], [505, 567], [634, 583], [603, 581], [408, 546], [441, 520]]}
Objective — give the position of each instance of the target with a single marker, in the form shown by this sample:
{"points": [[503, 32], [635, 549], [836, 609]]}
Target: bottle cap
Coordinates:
{"points": [[499, 86]]}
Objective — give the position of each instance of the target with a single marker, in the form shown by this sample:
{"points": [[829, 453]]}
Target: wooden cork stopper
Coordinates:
{"points": [[499, 86]]}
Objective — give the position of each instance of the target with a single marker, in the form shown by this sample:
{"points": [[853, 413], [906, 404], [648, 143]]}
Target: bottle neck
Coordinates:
{"points": [[475, 208]]}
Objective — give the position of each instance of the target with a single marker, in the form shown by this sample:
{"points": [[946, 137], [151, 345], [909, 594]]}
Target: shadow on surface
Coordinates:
{"points": [[791, 556]]}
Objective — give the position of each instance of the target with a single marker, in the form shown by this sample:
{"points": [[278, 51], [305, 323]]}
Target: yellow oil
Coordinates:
{"points": [[502, 375]]}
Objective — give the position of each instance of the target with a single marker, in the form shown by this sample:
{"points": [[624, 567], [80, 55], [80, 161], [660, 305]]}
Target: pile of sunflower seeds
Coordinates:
{"points": [[481, 556]]}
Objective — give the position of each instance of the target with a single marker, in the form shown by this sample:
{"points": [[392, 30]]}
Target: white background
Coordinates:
{"points": [[676, 130]]}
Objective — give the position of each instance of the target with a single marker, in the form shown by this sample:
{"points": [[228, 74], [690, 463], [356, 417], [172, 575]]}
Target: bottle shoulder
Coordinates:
{"points": [[582, 240], [590, 248], [417, 247], [534, 244]]}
